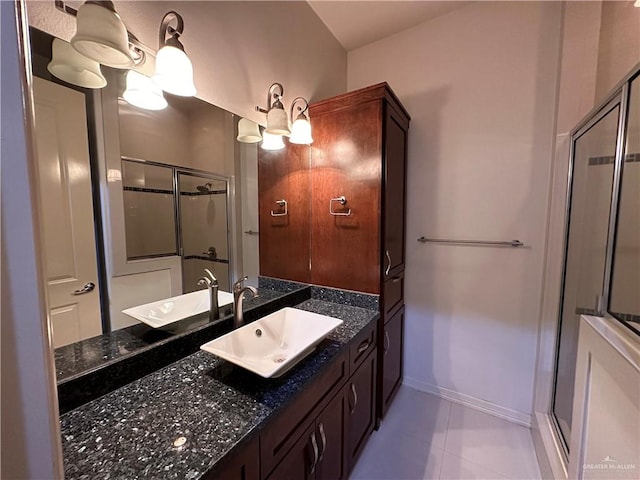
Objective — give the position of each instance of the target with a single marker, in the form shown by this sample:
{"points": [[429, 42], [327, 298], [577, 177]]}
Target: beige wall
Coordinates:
{"points": [[480, 85], [238, 49]]}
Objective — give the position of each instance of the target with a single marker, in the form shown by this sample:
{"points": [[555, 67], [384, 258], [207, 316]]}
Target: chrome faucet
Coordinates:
{"points": [[238, 295], [212, 284]]}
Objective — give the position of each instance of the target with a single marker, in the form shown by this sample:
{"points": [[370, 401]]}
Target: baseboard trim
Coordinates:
{"points": [[508, 414]]}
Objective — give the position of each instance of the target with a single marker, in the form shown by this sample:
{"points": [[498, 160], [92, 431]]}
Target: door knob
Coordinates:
{"points": [[88, 287]]}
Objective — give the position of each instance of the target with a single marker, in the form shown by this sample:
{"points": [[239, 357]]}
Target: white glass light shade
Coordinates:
{"points": [[68, 65], [248, 131], [301, 132], [174, 72], [272, 142], [143, 93], [277, 122], [101, 36]]}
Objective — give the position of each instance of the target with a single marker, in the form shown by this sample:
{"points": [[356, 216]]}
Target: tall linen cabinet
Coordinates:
{"points": [[358, 210]]}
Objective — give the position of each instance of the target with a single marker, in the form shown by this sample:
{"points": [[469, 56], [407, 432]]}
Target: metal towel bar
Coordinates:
{"points": [[509, 243]]}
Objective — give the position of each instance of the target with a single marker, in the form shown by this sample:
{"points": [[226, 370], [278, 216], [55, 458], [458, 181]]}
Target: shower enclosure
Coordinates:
{"points": [[602, 246], [177, 211]]}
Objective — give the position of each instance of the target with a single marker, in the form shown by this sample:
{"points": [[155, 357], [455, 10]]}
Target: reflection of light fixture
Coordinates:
{"points": [[301, 128], [101, 35], [143, 93], [272, 142], [248, 131], [277, 121], [636, 4], [68, 65], [174, 72]]}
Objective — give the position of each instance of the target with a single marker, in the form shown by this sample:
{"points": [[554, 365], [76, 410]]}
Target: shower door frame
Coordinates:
{"points": [[176, 170], [230, 232], [618, 98]]}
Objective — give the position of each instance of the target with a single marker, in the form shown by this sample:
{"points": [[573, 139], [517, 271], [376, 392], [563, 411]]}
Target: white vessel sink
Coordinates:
{"points": [[275, 343], [164, 312]]}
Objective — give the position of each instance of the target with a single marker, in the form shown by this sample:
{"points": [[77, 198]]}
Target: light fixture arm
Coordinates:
{"points": [[301, 109], [173, 33], [276, 92]]}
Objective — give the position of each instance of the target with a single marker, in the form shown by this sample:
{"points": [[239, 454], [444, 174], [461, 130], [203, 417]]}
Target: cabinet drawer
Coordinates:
{"points": [[281, 434], [393, 294], [361, 347]]}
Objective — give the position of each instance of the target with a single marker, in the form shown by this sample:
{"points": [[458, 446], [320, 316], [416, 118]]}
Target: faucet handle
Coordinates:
{"points": [[239, 285], [214, 280], [204, 281]]}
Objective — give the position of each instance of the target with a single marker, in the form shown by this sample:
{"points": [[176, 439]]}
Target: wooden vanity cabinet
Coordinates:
{"points": [[392, 355], [243, 464], [361, 394]]}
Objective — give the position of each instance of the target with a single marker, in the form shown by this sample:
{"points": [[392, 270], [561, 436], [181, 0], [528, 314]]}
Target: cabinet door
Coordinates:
{"points": [[243, 465], [300, 462], [395, 136], [330, 428], [361, 408], [392, 358], [346, 161]]}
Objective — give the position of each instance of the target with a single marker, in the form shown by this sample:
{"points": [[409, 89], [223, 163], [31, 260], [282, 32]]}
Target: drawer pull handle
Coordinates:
{"points": [[355, 397], [324, 441], [314, 444], [363, 346], [387, 342], [395, 279], [388, 269]]}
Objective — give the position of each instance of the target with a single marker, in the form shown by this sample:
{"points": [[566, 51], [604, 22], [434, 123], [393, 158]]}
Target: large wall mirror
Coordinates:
{"points": [[136, 203]]}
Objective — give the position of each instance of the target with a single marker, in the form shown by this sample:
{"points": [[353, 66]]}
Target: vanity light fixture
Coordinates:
{"points": [[277, 120], [301, 128], [72, 67], [272, 142], [174, 71], [101, 35], [248, 131], [143, 93]]}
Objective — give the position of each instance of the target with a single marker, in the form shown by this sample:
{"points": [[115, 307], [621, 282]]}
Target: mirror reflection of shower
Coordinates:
{"points": [[204, 227]]}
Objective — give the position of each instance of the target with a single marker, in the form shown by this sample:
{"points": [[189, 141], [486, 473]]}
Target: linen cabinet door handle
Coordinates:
{"points": [[355, 397], [314, 444], [324, 441], [388, 269], [387, 342]]}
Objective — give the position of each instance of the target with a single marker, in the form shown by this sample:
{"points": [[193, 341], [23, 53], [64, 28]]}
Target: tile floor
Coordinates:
{"points": [[426, 437]]}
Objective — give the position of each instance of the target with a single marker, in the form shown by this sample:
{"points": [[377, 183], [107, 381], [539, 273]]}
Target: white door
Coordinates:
{"points": [[64, 178]]}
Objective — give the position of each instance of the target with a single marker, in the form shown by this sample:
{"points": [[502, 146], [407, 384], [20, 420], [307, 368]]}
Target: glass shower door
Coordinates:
{"points": [[204, 229], [592, 177]]}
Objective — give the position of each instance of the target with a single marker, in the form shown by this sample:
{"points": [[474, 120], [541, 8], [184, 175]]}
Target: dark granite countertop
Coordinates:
{"points": [[129, 433]]}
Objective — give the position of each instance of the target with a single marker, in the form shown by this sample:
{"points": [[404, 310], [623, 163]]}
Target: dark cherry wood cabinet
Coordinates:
{"points": [[360, 152], [243, 464], [285, 239], [392, 355], [361, 418]]}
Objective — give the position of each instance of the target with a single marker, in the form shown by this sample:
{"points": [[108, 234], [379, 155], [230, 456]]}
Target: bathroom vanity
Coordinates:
{"points": [[203, 417]]}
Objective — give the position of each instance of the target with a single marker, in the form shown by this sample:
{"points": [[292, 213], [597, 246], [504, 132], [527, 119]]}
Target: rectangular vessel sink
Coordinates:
{"points": [[164, 312], [275, 343]]}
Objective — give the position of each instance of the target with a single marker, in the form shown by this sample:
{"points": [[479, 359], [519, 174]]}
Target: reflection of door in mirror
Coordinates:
{"points": [[204, 228], [64, 183]]}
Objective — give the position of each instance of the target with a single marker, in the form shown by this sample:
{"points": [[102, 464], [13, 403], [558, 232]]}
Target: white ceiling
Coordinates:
{"points": [[356, 23]]}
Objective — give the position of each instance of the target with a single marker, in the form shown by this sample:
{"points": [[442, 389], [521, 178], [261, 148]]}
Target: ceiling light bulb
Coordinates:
{"points": [[101, 35], [143, 93], [72, 67], [301, 131], [272, 142], [248, 131], [174, 72]]}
